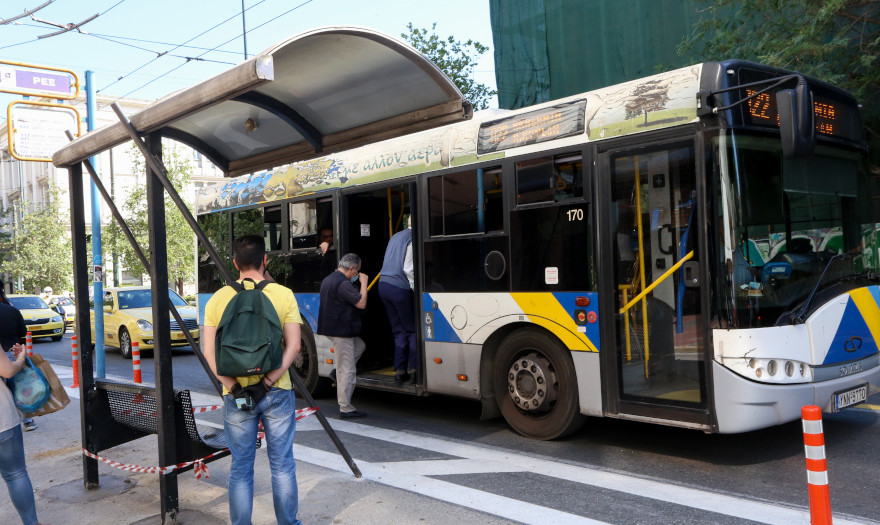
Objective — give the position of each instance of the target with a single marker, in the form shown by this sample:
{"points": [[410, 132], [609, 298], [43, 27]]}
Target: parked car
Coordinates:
{"points": [[128, 317], [40, 320], [65, 308]]}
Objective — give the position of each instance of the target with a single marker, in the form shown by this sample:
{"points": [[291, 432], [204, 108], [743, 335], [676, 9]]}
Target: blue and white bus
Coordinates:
{"points": [[697, 248]]}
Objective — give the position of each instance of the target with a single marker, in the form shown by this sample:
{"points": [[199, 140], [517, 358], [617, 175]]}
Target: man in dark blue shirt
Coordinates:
{"points": [[339, 318]]}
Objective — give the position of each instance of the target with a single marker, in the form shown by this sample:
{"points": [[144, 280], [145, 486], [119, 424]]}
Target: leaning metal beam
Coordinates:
{"points": [[146, 264], [162, 175]]}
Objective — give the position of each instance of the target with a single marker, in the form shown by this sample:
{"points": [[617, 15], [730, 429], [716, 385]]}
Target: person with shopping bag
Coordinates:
{"points": [[12, 459], [12, 330]]}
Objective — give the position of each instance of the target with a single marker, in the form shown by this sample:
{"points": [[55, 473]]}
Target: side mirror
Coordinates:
{"points": [[797, 128]]}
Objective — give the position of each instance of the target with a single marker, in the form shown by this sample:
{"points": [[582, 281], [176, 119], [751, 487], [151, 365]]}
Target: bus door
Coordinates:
{"points": [[370, 218], [659, 352]]}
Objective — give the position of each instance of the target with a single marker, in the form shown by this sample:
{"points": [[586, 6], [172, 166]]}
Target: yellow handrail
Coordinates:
{"points": [[660, 279], [374, 281]]}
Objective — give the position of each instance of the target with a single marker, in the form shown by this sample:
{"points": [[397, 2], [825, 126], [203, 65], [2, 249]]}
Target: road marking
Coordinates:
{"points": [[415, 476]]}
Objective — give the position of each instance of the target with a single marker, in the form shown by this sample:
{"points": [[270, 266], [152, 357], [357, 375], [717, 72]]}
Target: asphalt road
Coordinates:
{"points": [[765, 466]]}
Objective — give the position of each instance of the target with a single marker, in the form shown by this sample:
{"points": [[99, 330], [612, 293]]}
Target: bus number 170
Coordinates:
{"points": [[575, 215]]}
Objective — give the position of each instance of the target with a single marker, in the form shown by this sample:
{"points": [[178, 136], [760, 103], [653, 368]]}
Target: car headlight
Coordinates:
{"points": [[57, 319], [146, 326]]}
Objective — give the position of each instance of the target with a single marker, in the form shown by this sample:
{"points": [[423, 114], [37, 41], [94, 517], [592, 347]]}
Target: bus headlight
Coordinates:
{"points": [[769, 370]]}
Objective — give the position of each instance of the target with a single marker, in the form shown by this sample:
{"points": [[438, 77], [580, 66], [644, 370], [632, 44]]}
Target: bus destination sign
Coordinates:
{"points": [[561, 120], [833, 116]]}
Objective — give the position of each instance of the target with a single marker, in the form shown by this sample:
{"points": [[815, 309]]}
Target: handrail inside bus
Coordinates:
{"points": [[659, 280]]}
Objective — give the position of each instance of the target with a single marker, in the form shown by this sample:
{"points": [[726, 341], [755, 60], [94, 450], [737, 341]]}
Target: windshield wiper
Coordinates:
{"points": [[799, 317]]}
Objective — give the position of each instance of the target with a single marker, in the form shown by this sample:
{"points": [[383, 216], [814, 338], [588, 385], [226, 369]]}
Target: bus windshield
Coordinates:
{"points": [[792, 227]]}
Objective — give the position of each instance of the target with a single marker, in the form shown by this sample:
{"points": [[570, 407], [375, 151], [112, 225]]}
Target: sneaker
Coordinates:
{"points": [[352, 414], [29, 425]]}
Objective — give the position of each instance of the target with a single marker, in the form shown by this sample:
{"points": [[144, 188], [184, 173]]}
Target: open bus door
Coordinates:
{"points": [[655, 368], [369, 218]]}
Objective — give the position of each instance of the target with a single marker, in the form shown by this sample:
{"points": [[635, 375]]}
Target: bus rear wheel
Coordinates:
{"points": [[536, 387]]}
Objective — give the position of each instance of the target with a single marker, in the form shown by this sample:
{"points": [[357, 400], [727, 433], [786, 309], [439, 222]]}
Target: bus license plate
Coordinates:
{"points": [[851, 397]]}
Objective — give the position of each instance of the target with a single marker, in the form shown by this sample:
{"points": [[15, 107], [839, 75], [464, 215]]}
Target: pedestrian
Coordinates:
{"points": [[339, 318], [12, 459], [12, 330], [271, 394], [396, 291]]}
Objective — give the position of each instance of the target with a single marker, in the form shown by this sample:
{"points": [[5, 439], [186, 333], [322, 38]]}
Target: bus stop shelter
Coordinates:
{"points": [[315, 93]]}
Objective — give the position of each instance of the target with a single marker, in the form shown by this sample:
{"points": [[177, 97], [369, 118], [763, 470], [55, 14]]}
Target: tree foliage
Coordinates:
{"points": [[455, 58], [180, 239], [835, 40], [39, 250]]}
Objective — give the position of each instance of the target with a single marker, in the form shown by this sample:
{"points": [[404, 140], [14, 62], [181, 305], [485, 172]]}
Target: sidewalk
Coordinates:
{"points": [[326, 496]]}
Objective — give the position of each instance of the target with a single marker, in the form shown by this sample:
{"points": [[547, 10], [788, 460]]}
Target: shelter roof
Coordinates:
{"points": [[317, 92]]}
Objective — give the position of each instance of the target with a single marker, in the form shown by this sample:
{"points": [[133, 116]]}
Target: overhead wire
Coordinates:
{"points": [[160, 55], [198, 58]]}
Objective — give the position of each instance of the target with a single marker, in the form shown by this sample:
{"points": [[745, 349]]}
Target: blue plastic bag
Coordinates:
{"points": [[30, 389]]}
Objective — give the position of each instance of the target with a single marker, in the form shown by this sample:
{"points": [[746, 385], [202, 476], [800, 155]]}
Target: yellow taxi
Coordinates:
{"points": [[128, 317], [40, 320]]}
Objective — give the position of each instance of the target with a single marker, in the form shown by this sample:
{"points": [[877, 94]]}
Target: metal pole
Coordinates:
{"points": [[161, 174], [243, 30], [116, 273], [166, 430], [98, 285], [82, 328], [146, 264]]}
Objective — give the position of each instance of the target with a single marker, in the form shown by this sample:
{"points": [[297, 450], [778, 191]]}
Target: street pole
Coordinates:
{"points": [[116, 271], [243, 30], [98, 285]]}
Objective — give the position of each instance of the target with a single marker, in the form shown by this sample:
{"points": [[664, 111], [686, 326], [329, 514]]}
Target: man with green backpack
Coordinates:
{"points": [[252, 336]]}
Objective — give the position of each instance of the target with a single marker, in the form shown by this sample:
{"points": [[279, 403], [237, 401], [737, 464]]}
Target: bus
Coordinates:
{"points": [[698, 249]]}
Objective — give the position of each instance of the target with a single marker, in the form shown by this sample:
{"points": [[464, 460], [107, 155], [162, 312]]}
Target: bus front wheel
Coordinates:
{"points": [[306, 366], [536, 386]]}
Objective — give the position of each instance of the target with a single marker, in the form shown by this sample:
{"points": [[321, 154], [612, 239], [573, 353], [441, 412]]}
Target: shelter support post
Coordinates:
{"points": [[82, 328], [157, 170], [161, 333]]}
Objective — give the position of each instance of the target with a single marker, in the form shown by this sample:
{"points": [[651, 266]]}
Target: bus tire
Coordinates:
{"points": [[536, 386], [306, 366]]}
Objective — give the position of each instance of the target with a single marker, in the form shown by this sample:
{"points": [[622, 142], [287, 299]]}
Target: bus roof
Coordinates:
{"points": [[321, 91], [660, 101]]}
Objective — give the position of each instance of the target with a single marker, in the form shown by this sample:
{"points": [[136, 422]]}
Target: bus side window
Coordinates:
{"points": [[549, 179], [466, 202], [303, 225]]}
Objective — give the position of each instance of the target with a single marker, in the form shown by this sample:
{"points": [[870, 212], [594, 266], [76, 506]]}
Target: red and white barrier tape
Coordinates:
{"points": [[200, 468], [206, 408]]}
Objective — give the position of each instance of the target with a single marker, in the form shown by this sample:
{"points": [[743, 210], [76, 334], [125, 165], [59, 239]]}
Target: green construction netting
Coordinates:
{"points": [[547, 49]]}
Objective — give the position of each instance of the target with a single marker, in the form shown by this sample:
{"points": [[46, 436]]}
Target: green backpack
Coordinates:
{"points": [[249, 334]]}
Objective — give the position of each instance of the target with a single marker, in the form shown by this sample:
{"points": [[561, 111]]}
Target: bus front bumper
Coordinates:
{"points": [[742, 405]]}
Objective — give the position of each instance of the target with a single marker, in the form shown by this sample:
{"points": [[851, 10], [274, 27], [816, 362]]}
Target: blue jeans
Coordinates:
{"points": [[15, 474], [279, 421]]}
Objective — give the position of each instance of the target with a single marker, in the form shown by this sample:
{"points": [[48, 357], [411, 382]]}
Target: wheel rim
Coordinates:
{"points": [[532, 383], [125, 340]]}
